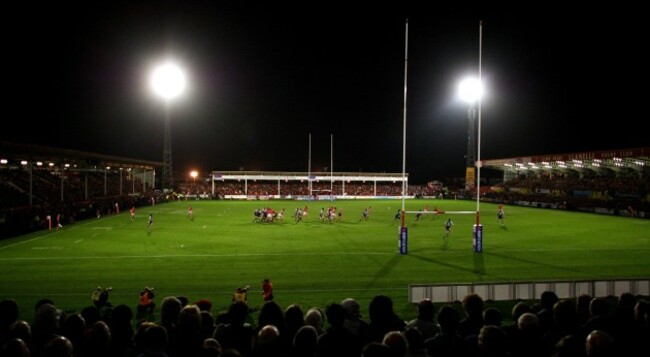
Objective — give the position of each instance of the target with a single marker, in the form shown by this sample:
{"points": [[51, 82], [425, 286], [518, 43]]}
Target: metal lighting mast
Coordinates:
{"points": [[168, 81], [167, 170]]}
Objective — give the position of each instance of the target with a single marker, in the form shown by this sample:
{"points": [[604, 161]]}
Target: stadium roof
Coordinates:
{"points": [[636, 159], [14, 153]]}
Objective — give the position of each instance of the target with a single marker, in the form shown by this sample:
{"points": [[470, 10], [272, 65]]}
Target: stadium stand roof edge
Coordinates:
{"points": [[29, 152], [635, 158]]}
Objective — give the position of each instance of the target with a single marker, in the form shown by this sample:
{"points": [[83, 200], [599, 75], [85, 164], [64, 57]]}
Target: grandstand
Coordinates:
{"points": [[610, 182], [36, 181], [303, 185], [623, 161]]}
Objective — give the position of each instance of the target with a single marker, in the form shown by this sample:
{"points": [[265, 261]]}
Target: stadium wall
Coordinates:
{"points": [[444, 293]]}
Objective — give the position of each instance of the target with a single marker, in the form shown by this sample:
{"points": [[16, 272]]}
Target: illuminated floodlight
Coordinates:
{"points": [[168, 81], [3, 161], [23, 162], [194, 174], [470, 90]]}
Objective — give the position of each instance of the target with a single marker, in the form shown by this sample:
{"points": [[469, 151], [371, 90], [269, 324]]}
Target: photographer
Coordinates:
{"points": [[146, 305], [241, 294], [100, 297]]}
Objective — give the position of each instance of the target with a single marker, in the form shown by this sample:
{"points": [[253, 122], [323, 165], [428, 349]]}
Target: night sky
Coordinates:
{"points": [[262, 78]]}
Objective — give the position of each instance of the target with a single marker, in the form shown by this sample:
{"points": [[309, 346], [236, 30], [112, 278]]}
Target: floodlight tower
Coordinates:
{"points": [[469, 91], [168, 81]]}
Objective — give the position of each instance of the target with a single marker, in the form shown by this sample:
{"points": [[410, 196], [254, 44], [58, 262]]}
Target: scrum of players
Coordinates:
{"points": [[268, 214], [328, 215]]}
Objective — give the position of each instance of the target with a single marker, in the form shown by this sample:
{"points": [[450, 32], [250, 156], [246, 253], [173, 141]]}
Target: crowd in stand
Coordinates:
{"points": [[296, 188], [584, 326], [575, 193], [83, 195]]}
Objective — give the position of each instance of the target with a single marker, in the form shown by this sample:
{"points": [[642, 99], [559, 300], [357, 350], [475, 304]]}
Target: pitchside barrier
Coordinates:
{"points": [[443, 293]]}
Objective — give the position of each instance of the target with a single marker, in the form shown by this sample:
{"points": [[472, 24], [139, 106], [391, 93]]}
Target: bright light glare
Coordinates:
{"points": [[470, 90], [194, 174], [168, 81]]}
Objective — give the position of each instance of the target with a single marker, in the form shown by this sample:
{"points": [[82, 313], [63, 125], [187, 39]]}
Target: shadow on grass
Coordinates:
{"points": [[479, 266], [528, 261], [385, 269]]}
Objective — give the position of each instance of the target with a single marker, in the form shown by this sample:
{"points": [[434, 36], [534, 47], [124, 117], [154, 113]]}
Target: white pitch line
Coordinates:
{"points": [[189, 256], [23, 242]]}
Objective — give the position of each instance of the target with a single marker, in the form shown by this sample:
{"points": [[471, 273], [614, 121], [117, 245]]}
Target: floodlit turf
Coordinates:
{"points": [[311, 263]]}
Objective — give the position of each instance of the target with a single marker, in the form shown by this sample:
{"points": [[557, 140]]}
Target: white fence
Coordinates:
{"points": [[528, 290]]}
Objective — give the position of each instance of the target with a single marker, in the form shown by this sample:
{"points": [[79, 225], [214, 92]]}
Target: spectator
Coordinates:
{"points": [[382, 318], [448, 342], [599, 344], [73, 328], [337, 341], [170, 311], [96, 340], [150, 340], [294, 317], [305, 342], [565, 322], [493, 342], [58, 346], [376, 349], [397, 343], [415, 343], [14, 347], [492, 316], [210, 348], [529, 339], [519, 309], [188, 332], [568, 346], [425, 321], [268, 343], [121, 326], [473, 321], [204, 305], [314, 318], [237, 334], [271, 314], [353, 320], [545, 314]]}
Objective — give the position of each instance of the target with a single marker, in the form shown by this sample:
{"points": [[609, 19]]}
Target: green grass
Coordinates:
{"points": [[311, 263]]}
